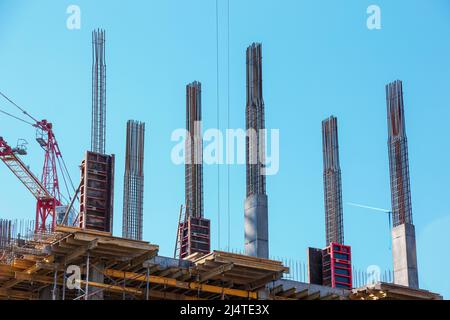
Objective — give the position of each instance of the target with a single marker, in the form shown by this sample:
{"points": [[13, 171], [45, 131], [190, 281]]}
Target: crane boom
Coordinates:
{"points": [[46, 203], [21, 171], [47, 189]]}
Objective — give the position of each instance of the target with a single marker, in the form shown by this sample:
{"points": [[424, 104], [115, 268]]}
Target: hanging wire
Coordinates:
{"points": [[218, 123], [63, 168], [228, 121], [63, 176], [17, 106], [67, 172], [15, 117]]}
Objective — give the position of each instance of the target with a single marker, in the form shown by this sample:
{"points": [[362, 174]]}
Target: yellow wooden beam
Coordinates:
{"points": [[181, 284], [10, 283], [171, 296], [112, 288], [49, 280], [16, 294]]}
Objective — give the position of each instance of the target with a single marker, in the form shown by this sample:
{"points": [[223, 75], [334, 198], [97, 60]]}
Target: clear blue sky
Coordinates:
{"points": [[319, 59]]}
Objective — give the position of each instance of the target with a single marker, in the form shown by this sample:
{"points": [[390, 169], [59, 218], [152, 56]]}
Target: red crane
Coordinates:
{"points": [[45, 209], [46, 191]]}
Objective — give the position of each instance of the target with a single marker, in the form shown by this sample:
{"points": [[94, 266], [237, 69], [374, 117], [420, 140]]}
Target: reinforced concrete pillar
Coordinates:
{"points": [[46, 293], [256, 226], [404, 254], [96, 275]]}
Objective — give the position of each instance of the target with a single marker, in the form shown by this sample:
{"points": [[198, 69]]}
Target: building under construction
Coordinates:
{"points": [[59, 259]]}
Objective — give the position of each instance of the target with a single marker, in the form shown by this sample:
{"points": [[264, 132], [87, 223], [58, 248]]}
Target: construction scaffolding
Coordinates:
{"points": [[332, 183], [76, 264], [133, 190], [130, 269], [98, 125], [398, 155]]}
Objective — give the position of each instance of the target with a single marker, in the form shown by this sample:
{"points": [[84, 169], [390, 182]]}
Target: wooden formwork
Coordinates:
{"points": [[130, 269]]}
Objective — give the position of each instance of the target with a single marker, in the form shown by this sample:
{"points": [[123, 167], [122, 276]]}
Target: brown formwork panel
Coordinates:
{"points": [[97, 192], [195, 236]]}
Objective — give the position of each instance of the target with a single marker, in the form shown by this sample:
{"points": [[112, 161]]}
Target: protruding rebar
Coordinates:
{"points": [[194, 146], [256, 180], [332, 183], [398, 155], [98, 125], [256, 226], [133, 193]]}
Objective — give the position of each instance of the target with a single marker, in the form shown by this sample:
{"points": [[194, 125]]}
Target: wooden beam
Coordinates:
{"points": [[288, 293], [276, 290], [10, 283], [216, 271], [313, 296], [253, 264], [119, 242], [136, 261], [330, 296], [261, 282], [168, 271], [178, 274], [282, 298], [38, 265], [16, 294], [49, 280], [31, 270], [112, 288], [169, 282], [81, 251], [302, 294], [171, 296]]}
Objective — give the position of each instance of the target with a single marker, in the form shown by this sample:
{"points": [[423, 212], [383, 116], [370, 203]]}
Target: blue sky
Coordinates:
{"points": [[318, 59]]}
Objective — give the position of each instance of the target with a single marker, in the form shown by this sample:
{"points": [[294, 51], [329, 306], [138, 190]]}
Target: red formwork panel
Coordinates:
{"points": [[337, 266], [195, 236], [97, 192]]}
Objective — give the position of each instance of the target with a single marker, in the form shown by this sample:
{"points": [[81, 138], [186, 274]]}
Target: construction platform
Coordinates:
{"points": [[113, 268], [389, 291]]}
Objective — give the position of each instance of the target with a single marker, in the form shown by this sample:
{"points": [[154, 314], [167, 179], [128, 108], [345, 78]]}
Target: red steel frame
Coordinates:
{"points": [[195, 236], [47, 208], [47, 190], [336, 252]]}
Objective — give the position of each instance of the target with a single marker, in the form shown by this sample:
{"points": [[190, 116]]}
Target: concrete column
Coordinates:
{"points": [[404, 254], [96, 275], [256, 226], [46, 293], [264, 294]]}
